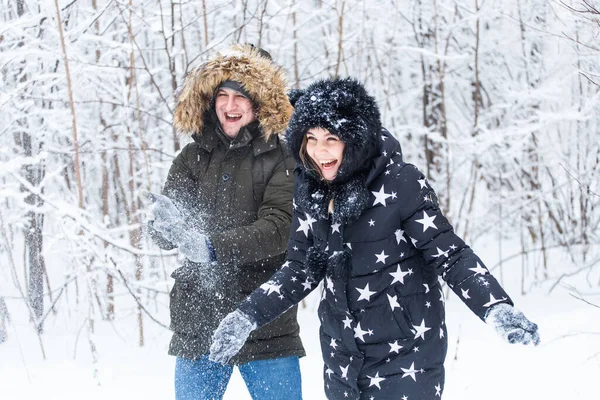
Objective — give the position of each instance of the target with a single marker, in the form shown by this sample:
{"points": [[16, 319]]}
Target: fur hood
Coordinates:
{"points": [[264, 81], [344, 108]]}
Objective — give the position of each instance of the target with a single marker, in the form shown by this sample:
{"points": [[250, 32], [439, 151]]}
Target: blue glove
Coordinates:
{"points": [[512, 325], [230, 336], [169, 221]]}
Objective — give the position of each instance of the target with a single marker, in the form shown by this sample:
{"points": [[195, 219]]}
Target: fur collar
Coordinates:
{"points": [[350, 198]]}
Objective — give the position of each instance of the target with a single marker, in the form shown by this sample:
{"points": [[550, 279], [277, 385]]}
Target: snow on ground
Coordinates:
{"points": [[479, 366]]}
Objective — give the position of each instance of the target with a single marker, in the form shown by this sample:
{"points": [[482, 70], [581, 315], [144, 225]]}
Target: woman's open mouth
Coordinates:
{"points": [[328, 164]]}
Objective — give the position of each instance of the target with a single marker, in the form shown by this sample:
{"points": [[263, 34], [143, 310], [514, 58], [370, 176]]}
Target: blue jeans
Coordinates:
{"points": [[275, 379]]}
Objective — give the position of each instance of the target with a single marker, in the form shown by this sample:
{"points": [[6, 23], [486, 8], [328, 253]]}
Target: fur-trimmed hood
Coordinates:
{"points": [[264, 81], [344, 108]]}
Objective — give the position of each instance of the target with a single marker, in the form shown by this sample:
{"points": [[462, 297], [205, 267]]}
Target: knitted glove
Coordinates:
{"points": [[230, 336], [168, 220], [512, 325]]}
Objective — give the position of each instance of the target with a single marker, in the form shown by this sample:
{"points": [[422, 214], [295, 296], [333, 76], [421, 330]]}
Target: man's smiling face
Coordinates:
{"points": [[234, 111]]}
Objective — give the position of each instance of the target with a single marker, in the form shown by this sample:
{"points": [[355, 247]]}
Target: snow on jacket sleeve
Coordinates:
{"points": [[433, 235], [292, 282]]}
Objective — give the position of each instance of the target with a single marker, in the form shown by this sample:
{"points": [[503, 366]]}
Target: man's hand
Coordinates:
{"points": [[512, 325], [168, 220], [230, 336]]}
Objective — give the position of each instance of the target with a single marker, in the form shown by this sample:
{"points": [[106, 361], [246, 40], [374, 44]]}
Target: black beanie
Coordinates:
{"points": [[345, 109]]}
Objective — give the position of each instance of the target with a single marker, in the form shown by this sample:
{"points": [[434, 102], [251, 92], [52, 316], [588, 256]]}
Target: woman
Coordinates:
{"points": [[369, 225]]}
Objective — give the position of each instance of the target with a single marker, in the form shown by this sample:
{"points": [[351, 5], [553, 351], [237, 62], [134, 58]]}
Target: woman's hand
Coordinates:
{"points": [[230, 336], [512, 325]]}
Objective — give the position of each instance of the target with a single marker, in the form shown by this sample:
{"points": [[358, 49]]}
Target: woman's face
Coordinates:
{"points": [[325, 150]]}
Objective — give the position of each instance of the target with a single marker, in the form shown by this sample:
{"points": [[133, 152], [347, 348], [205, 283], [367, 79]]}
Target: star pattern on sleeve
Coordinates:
{"points": [[479, 270], [493, 301], [400, 236], [427, 221], [381, 196], [271, 287]]}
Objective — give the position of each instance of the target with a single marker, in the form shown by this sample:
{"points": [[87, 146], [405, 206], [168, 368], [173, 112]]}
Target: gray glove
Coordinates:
{"points": [[168, 220], [230, 336], [512, 325]]}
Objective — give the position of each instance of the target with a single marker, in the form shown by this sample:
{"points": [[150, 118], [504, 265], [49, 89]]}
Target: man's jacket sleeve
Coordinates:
{"points": [[268, 235]]}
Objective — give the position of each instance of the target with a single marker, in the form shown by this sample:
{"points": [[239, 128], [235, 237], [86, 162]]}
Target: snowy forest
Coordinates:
{"points": [[497, 102]]}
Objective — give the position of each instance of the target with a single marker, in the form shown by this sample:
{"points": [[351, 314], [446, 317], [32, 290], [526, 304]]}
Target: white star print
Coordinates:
{"points": [[329, 284], [329, 372], [393, 302], [398, 275], [400, 236], [438, 390], [420, 330], [427, 221], [493, 301], [375, 380], [404, 397], [441, 333], [410, 371], [365, 294], [479, 270], [381, 257], [422, 182], [305, 225], [465, 294], [359, 333], [333, 344], [440, 253], [345, 371], [395, 347], [371, 222], [414, 241], [335, 228], [294, 204], [270, 288], [347, 322], [381, 196], [426, 288], [307, 285]]}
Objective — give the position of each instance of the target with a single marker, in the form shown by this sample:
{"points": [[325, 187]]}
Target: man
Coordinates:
{"points": [[230, 214]]}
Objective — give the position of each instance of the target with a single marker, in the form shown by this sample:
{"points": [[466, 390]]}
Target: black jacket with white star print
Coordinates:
{"points": [[382, 311]]}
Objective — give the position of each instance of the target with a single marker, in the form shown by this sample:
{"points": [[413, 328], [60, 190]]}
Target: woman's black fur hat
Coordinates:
{"points": [[344, 108]]}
